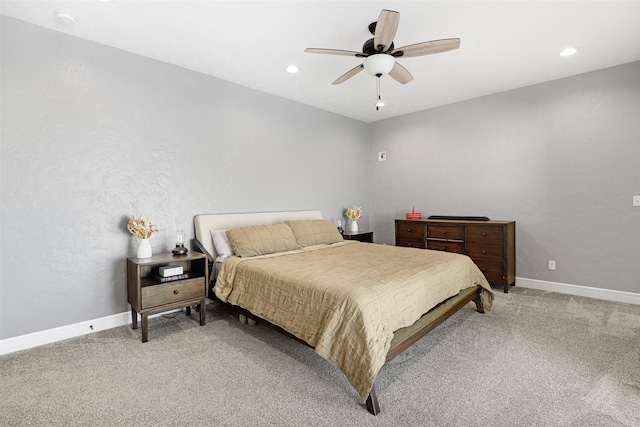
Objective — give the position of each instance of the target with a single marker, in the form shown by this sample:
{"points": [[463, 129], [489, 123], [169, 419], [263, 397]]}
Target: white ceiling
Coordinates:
{"points": [[504, 44]]}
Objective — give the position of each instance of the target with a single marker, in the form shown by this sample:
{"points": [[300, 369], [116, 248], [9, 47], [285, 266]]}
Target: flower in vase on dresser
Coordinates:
{"points": [[142, 229], [354, 214]]}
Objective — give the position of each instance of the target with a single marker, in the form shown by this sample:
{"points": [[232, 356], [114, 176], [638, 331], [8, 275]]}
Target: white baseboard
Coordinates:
{"points": [[583, 291], [48, 336]]}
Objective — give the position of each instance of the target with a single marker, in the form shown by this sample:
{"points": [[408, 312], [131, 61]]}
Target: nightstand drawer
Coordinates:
{"points": [[445, 232], [360, 236], [170, 292], [443, 245], [484, 235]]}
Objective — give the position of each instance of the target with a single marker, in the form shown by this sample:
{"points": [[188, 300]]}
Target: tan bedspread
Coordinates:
{"points": [[347, 299]]}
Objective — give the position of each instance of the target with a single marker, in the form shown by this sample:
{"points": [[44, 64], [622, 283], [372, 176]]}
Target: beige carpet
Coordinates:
{"points": [[538, 359]]}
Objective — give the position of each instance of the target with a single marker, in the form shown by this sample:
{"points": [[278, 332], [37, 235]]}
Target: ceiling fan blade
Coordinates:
{"points": [[400, 74], [386, 28], [427, 48], [346, 76], [334, 52]]}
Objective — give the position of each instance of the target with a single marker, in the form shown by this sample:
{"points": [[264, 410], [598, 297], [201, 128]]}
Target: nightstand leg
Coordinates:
{"points": [[134, 319], [202, 310], [145, 327]]}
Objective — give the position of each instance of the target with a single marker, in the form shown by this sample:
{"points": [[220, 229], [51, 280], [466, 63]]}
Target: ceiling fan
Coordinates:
{"points": [[380, 54]]}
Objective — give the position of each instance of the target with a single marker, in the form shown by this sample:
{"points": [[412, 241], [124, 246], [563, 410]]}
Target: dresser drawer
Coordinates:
{"points": [[409, 230], [486, 235], [493, 271], [167, 293], [446, 246], [410, 243], [445, 232], [492, 253]]}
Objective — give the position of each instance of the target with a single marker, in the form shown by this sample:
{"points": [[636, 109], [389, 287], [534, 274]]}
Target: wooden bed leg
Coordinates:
{"points": [[478, 301], [372, 401]]}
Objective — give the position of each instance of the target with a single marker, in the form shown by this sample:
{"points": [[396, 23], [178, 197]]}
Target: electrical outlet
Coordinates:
{"points": [[636, 200], [382, 156], [552, 265]]}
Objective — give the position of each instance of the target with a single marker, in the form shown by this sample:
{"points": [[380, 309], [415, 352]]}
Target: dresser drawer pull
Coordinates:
{"points": [[484, 252], [408, 244], [444, 232], [484, 234], [175, 292], [408, 230], [444, 248]]}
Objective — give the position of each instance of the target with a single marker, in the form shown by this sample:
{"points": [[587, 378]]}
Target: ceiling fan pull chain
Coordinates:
{"points": [[379, 102]]}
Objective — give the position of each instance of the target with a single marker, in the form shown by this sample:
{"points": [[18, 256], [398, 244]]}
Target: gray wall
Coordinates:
{"points": [[91, 135], [560, 158]]}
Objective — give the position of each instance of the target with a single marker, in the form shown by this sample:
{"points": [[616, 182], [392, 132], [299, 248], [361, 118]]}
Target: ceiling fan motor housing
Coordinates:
{"points": [[368, 48]]}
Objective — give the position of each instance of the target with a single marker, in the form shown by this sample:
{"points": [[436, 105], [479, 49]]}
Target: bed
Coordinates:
{"points": [[357, 304]]}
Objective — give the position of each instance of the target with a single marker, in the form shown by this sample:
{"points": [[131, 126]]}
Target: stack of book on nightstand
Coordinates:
{"points": [[168, 273]]}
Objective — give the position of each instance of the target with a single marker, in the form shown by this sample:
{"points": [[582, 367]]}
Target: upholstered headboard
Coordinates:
{"points": [[206, 222]]}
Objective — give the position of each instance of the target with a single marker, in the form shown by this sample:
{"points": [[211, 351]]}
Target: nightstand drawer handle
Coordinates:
{"points": [[175, 292]]}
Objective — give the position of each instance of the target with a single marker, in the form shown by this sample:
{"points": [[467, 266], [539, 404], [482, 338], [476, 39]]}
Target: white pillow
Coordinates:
{"points": [[221, 243]]}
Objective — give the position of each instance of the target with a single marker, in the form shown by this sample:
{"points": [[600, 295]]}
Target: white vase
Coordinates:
{"points": [[354, 225], [144, 249]]}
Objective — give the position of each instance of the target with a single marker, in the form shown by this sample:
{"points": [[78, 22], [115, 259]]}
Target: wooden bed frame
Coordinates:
{"points": [[402, 339], [406, 337]]}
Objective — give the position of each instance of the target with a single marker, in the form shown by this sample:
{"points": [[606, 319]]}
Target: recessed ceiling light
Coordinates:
{"points": [[569, 51], [292, 69], [65, 18]]}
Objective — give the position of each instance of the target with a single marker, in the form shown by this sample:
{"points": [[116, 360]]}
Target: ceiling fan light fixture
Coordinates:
{"points": [[379, 64]]}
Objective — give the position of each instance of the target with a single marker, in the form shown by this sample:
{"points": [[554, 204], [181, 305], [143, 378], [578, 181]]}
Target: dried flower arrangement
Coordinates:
{"points": [[354, 213], [142, 229]]}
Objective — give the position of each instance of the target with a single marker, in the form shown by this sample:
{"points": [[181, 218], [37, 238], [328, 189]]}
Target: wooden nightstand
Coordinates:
{"points": [[147, 294], [361, 236]]}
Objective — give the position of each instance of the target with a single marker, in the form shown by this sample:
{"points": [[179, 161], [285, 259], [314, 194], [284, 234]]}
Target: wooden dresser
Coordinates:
{"points": [[490, 244]]}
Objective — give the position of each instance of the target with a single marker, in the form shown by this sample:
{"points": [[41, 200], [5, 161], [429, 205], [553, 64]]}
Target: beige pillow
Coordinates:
{"points": [[315, 232], [261, 240]]}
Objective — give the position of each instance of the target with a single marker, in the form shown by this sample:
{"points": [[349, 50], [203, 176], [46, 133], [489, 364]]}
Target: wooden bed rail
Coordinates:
{"points": [[406, 337]]}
